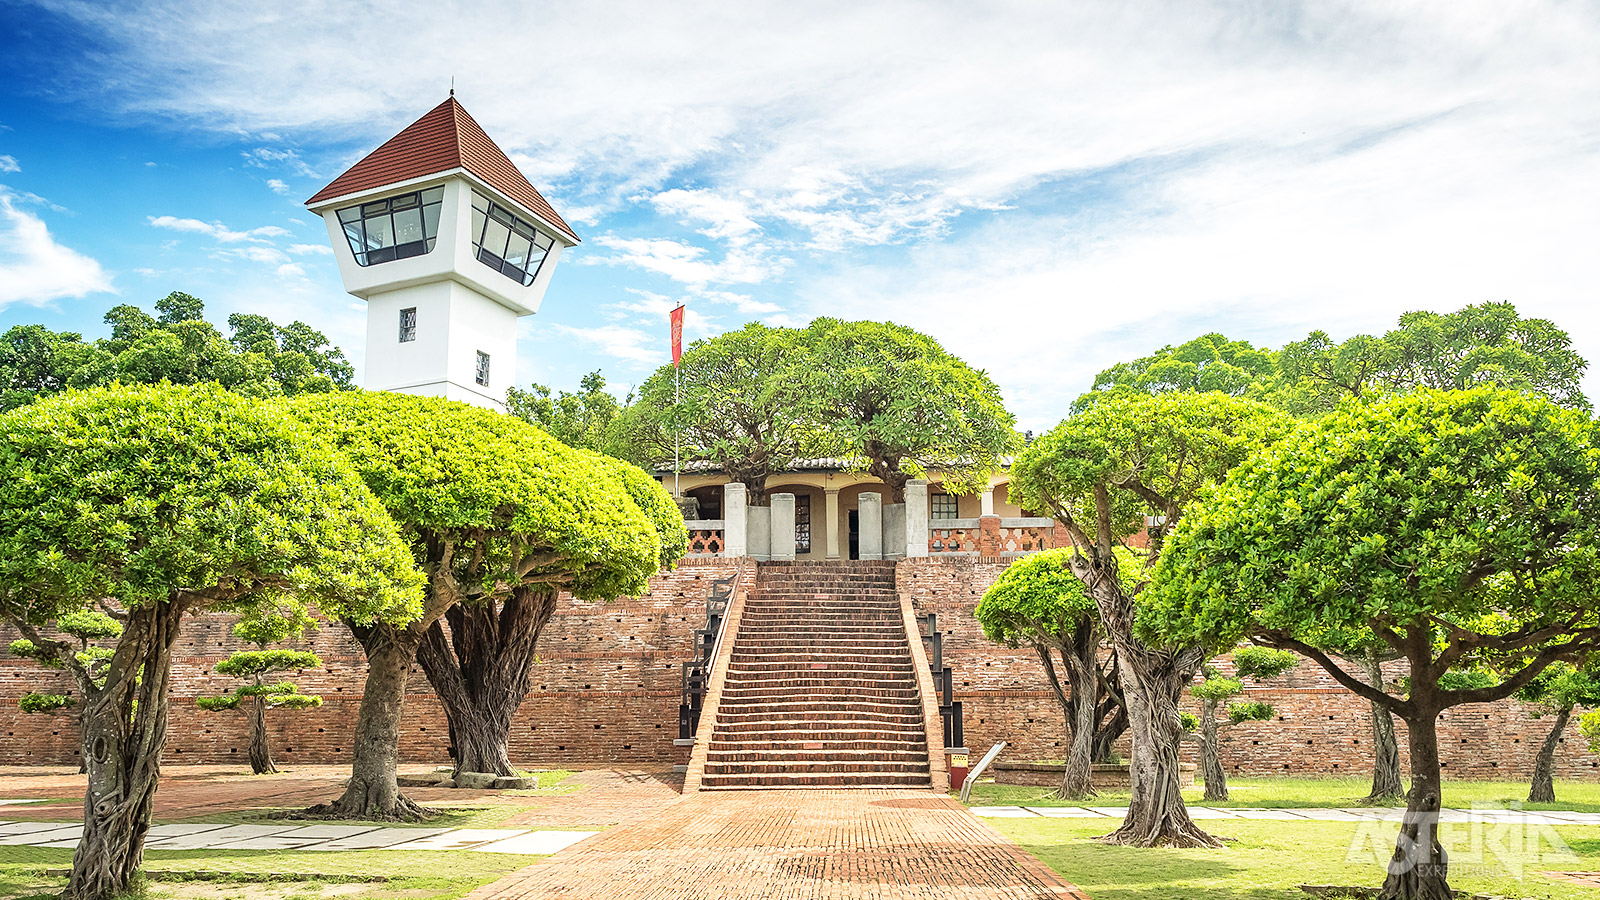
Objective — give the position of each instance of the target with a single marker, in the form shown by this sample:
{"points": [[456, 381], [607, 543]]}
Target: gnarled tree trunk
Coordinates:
{"points": [[260, 752], [1386, 781], [373, 793], [1419, 868], [124, 730], [1080, 756], [1111, 717], [482, 672], [1210, 757], [1543, 789]]}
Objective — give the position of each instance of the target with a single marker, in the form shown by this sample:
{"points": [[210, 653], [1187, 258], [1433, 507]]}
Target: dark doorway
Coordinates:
{"points": [[855, 534]]}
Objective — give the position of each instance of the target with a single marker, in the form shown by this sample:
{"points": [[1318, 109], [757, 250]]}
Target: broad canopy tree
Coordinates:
{"points": [[1457, 527], [492, 508], [1100, 474], [156, 503], [1039, 603]]}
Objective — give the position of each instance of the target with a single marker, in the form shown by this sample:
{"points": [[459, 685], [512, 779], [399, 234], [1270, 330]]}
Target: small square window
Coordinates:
{"points": [[483, 368], [408, 324], [942, 506]]}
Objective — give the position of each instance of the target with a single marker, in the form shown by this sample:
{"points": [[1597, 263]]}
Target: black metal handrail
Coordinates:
{"points": [[944, 682], [697, 672]]}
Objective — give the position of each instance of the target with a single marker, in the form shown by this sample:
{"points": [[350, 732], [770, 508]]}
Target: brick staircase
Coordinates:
{"points": [[821, 689]]}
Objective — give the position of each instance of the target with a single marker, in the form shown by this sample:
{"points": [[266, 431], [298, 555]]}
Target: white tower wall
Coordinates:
{"points": [[454, 323]]}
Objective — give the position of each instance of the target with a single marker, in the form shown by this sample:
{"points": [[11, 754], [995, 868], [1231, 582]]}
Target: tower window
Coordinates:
{"points": [[483, 368], [408, 324], [507, 243], [393, 228], [942, 506]]}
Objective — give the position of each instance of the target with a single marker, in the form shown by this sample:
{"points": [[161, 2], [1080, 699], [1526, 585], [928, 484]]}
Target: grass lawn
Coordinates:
{"points": [[1580, 796], [412, 874], [1267, 859]]}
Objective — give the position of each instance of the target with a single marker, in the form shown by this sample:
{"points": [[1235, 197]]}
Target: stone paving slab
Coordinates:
{"points": [[459, 839], [171, 831], [1207, 812], [1267, 814], [55, 832], [1003, 812], [17, 801], [378, 839], [15, 828], [1062, 812], [1328, 815], [208, 839], [330, 832], [541, 842], [795, 845]]}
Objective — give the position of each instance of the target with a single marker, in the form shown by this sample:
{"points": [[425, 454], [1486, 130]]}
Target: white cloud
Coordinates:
{"points": [[310, 249], [217, 230], [9, 164], [34, 269], [619, 342], [278, 185], [267, 157], [291, 270], [687, 263]]}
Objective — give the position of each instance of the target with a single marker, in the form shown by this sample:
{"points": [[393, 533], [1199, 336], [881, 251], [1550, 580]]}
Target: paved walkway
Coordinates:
{"points": [[793, 845], [1349, 814], [201, 836]]}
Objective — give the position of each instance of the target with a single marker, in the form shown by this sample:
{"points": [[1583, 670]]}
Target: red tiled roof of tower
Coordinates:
{"points": [[447, 137]]}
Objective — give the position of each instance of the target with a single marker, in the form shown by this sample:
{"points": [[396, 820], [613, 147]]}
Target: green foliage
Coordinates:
{"points": [[653, 500], [1589, 727], [893, 402], [738, 407], [586, 419], [246, 663], [260, 359], [1262, 663], [1486, 344], [35, 702], [89, 625], [1475, 508], [1217, 687], [27, 649], [1037, 599], [273, 622], [135, 493], [1150, 453], [1188, 721], [218, 704], [1563, 686], [510, 500], [1250, 711], [1210, 362]]}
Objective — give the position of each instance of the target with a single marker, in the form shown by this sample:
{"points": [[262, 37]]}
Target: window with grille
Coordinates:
{"points": [[408, 324], [802, 523], [506, 243], [483, 368], [942, 506], [393, 228]]}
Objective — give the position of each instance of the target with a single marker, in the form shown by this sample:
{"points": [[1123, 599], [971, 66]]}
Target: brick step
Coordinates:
{"points": [[758, 695], [819, 767], [821, 642], [828, 585], [742, 719], [864, 783], [801, 608], [820, 682], [876, 600], [835, 706], [821, 659], [749, 669], [736, 755], [804, 732]]}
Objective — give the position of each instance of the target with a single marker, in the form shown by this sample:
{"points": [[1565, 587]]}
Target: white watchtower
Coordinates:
{"points": [[449, 245]]}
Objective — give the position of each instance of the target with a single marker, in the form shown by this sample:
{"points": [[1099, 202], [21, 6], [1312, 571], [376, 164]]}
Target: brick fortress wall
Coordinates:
{"points": [[608, 687], [606, 690]]}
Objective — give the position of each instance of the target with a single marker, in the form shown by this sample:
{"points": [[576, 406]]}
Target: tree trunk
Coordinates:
{"points": [[1111, 715], [124, 730], [1078, 777], [1210, 759], [1419, 868], [483, 671], [260, 753], [1543, 789], [373, 793], [1386, 781]]}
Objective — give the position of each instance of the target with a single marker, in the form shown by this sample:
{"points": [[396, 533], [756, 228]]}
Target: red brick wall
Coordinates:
{"points": [[606, 691], [1321, 727], [608, 684]]}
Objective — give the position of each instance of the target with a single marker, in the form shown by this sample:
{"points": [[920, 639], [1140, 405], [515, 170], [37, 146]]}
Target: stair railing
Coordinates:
{"points": [[944, 682], [707, 644]]}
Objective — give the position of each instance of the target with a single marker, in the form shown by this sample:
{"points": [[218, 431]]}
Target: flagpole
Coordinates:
{"points": [[677, 400]]}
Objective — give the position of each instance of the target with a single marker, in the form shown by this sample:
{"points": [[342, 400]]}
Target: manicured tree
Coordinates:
{"points": [[1210, 362], [1100, 473], [271, 624], [893, 402], [1558, 691], [482, 670], [90, 627], [1254, 663], [738, 409], [1457, 527], [161, 502], [492, 506], [1038, 602]]}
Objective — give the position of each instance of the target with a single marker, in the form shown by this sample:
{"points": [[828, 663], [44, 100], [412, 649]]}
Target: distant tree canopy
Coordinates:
{"points": [[258, 358], [1210, 362], [587, 419]]}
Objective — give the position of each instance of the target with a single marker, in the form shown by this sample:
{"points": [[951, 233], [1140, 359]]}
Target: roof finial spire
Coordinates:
{"points": [[452, 85]]}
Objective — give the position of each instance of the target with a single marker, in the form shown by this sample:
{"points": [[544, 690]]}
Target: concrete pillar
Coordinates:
{"points": [[869, 522], [758, 532], [735, 536], [917, 517], [894, 530], [782, 527], [986, 502], [831, 522]]}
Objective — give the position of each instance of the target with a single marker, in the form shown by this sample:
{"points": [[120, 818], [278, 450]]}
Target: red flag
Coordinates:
{"points": [[677, 334]]}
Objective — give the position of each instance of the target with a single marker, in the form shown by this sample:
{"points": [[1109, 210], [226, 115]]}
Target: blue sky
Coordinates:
{"points": [[1047, 188]]}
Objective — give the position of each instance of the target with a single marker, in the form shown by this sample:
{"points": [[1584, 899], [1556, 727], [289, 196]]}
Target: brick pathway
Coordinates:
{"points": [[793, 845]]}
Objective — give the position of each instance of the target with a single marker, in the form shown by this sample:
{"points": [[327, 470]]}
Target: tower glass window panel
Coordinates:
{"points": [[393, 228], [483, 368], [408, 324], [942, 506], [503, 241]]}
